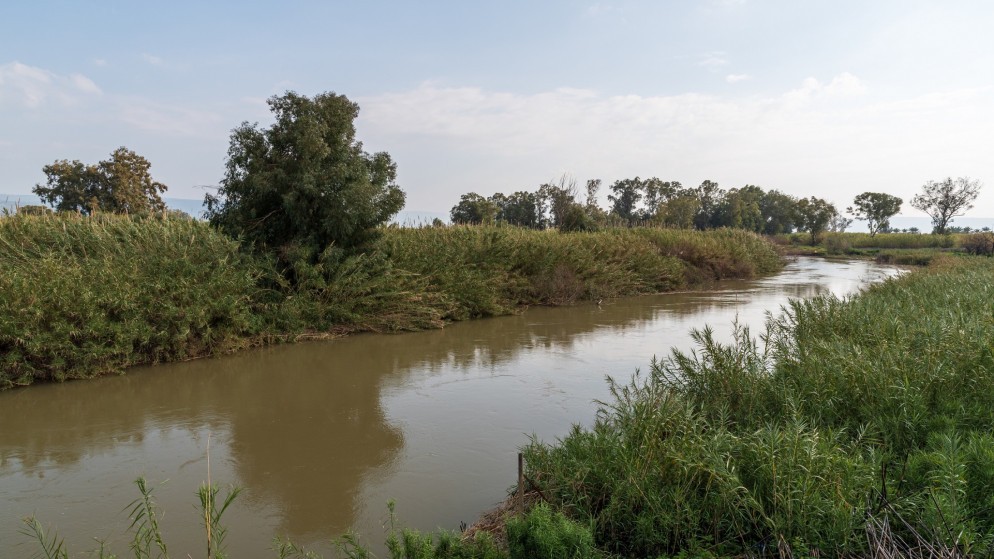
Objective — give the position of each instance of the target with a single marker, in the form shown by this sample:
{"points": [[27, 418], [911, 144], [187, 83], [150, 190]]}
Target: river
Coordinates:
{"points": [[321, 435]]}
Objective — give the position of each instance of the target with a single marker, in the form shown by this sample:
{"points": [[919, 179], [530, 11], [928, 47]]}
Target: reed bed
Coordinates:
{"points": [[487, 271], [83, 296], [875, 406]]}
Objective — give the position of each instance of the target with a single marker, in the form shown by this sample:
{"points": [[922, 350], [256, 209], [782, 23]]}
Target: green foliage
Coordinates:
{"points": [[624, 197], [679, 211], [978, 243], [737, 447], [710, 197], [146, 541], [83, 296], [520, 208], [544, 534], [121, 184], [943, 200], [474, 209], [487, 271], [305, 181], [33, 210], [837, 243], [50, 547], [876, 208], [779, 211], [213, 511], [814, 216]]}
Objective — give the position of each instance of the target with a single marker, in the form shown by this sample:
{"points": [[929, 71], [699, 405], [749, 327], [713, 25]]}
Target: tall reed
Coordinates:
{"points": [[840, 406], [83, 296]]}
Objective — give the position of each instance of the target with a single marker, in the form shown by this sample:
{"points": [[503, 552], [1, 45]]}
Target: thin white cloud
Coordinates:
{"points": [[169, 119], [713, 60], [841, 86], [852, 139], [84, 84], [100, 62], [152, 59], [736, 78], [598, 8], [33, 87]]}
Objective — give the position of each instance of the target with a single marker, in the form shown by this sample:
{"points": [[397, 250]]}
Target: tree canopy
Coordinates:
{"points": [[876, 208], [121, 184], [474, 209], [815, 215], [305, 180], [946, 199]]}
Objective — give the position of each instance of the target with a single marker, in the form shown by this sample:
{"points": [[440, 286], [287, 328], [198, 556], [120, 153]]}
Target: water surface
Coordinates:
{"points": [[321, 435]]}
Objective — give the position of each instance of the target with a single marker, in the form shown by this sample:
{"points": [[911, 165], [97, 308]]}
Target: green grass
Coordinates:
{"points": [[879, 404], [85, 296]]}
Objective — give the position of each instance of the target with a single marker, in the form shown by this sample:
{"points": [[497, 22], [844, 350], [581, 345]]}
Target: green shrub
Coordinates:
{"points": [[978, 243], [544, 534], [837, 243]]}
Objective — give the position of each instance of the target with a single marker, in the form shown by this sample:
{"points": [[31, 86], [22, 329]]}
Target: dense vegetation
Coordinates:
{"points": [[121, 184], [81, 296], [651, 201], [846, 415], [852, 427]]}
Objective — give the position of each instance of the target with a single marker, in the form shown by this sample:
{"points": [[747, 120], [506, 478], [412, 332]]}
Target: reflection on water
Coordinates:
{"points": [[321, 435]]}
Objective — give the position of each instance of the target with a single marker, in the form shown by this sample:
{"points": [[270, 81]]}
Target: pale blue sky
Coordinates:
{"points": [[826, 98]]}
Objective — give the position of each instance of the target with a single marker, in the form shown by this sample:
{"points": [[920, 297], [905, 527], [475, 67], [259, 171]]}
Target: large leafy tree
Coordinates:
{"points": [[520, 208], [815, 215], [779, 212], [679, 211], [876, 208], [710, 196], [625, 196], [474, 209], [946, 199], [121, 184], [740, 208], [305, 181]]}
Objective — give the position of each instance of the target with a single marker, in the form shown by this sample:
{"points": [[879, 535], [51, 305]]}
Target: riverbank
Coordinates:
{"points": [[908, 249], [854, 426], [86, 296]]}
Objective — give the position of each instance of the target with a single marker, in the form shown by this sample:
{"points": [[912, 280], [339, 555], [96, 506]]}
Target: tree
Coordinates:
{"points": [[305, 181], [561, 196], [839, 223], [710, 196], [473, 209], [520, 208], [815, 215], [656, 192], [876, 208], [679, 211], [779, 212], [740, 208], [946, 199], [593, 186], [626, 194], [121, 184]]}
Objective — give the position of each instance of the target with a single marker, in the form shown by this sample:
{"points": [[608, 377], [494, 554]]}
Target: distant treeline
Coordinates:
{"points": [[649, 201], [655, 202]]}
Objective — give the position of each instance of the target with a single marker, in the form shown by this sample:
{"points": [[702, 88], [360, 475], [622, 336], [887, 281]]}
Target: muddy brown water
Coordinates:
{"points": [[321, 435]]}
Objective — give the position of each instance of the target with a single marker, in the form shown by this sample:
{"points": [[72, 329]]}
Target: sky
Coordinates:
{"points": [[825, 98]]}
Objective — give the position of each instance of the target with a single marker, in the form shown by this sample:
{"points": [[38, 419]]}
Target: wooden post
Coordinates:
{"points": [[521, 483]]}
